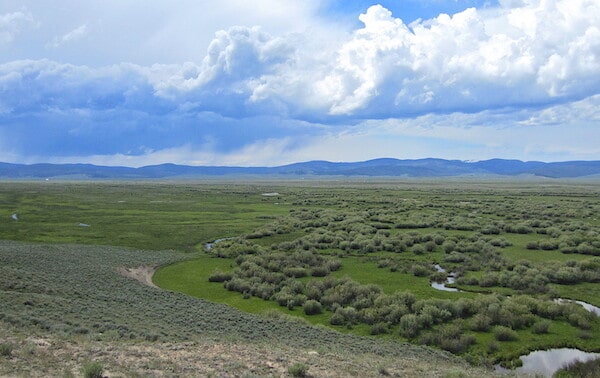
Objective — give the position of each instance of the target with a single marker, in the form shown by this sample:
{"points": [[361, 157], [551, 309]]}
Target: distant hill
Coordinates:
{"points": [[371, 168]]}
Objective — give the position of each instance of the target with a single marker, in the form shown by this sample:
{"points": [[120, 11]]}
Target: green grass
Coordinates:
{"points": [[587, 292], [191, 277], [150, 215], [517, 250], [392, 282], [172, 221], [445, 209], [560, 335]]}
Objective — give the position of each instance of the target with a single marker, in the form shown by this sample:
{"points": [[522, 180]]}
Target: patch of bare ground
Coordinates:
{"points": [[141, 274], [45, 356]]}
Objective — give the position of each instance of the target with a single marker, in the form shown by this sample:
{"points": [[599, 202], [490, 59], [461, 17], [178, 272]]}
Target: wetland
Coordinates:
{"points": [[357, 258]]}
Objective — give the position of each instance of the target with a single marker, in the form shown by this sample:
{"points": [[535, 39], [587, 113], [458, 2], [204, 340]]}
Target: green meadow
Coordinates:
{"points": [[140, 215], [349, 257]]}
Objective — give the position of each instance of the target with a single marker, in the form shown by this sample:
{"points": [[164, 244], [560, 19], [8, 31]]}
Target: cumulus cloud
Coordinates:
{"points": [[234, 58], [244, 52], [74, 110], [517, 54], [522, 53]]}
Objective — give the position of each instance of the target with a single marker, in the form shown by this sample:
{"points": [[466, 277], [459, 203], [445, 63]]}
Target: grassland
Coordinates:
{"points": [[66, 305], [140, 215], [65, 289]]}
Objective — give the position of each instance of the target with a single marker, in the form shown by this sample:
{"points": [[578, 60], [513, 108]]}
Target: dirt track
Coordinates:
{"points": [[142, 274]]}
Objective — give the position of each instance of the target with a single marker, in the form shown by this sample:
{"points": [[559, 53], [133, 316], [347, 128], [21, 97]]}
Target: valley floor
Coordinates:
{"points": [[66, 306]]}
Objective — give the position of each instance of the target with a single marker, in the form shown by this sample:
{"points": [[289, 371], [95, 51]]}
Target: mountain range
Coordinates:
{"points": [[384, 167]]}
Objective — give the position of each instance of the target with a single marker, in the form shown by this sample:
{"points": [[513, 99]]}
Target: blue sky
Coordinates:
{"points": [[271, 82]]}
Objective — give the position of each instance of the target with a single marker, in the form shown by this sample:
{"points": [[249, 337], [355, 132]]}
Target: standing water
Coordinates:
{"points": [[548, 362], [208, 246]]}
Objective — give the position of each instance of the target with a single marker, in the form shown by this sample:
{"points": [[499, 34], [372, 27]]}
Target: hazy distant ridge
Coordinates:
{"points": [[376, 167]]}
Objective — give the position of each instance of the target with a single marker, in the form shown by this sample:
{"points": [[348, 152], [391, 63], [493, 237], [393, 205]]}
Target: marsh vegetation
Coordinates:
{"points": [[362, 260], [356, 258]]}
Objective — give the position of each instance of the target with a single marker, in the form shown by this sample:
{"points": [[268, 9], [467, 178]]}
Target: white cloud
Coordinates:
{"points": [[74, 35], [518, 54], [480, 83], [233, 58], [33, 86], [584, 112], [521, 53], [465, 60], [11, 24], [147, 32]]}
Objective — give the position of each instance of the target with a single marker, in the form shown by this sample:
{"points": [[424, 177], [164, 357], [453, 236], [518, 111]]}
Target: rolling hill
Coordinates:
{"points": [[384, 167]]}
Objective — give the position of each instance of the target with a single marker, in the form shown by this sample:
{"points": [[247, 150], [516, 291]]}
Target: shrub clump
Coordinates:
{"points": [[481, 323], [580, 369], [449, 337], [502, 333], [93, 370], [219, 276], [541, 327], [379, 329], [409, 326], [312, 307], [6, 349], [298, 370]]}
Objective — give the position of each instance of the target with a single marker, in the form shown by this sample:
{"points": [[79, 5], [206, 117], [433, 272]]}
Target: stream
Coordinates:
{"points": [[449, 280], [587, 306], [208, 246]]}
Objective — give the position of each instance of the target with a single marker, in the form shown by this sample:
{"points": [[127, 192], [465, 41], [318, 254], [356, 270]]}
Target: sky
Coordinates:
{"points": [[272, 82]]}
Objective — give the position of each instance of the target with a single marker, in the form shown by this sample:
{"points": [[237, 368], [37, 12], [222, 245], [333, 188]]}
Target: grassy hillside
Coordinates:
{"points": [[65, 306]]}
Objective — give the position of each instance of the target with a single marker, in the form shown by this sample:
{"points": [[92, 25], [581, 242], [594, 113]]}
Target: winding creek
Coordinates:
{"points": [[541, 362], [449, 280]]}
